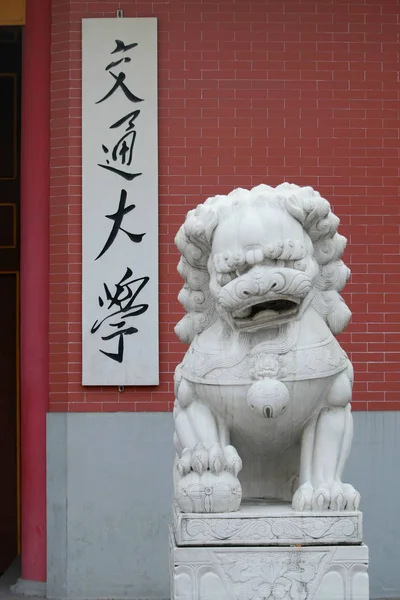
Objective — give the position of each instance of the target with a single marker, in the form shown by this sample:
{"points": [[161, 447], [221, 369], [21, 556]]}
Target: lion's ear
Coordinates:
{"points": [[339, 318], [185, 329], [333, 309]]}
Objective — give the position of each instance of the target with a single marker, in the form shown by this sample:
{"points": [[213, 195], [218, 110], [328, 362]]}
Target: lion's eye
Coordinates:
{"points": [[300, 265], [243, 269]]}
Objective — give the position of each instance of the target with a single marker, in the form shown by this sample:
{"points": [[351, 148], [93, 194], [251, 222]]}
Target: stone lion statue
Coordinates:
{"points": [[264, 389]]}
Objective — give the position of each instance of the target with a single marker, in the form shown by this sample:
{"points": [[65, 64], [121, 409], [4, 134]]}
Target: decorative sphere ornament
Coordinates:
{"points": [[268, 398]]}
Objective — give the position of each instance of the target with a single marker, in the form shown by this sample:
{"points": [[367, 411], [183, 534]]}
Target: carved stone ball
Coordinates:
{"points": [[208, 493], [268, 398]]}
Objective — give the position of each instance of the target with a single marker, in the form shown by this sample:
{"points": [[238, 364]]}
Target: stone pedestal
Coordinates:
{"points": [[267, 551]]}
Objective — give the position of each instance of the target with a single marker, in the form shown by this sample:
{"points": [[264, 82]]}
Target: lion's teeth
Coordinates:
{"points": [[242, 313]]}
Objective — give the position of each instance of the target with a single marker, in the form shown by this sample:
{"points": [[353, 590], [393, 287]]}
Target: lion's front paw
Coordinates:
{"points": [[338, 496], [215, 459], [208, 493]]}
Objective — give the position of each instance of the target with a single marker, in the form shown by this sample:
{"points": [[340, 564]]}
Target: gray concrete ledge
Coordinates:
{"points": [[13, 587], [25, 587]]}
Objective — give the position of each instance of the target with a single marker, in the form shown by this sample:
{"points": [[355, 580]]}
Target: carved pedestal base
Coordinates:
{"points": [[267, 523], [268, 552]]}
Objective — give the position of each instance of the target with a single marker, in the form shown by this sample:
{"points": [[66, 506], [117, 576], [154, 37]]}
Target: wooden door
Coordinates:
{"points": [[10, 61]]}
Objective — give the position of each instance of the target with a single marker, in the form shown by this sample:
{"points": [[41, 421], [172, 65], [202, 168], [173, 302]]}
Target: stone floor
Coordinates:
{"points": [[9, 578]]}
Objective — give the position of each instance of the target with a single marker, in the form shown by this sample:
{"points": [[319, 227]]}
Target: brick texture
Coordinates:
{"points": [[250, 92]]}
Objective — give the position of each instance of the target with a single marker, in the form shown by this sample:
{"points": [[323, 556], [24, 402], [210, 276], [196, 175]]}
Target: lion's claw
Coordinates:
{"points": [[352, 497], [199, 459], [321, 498], [216, 459], [303, 497], [233, 460], [338, 501], [184, 463]]}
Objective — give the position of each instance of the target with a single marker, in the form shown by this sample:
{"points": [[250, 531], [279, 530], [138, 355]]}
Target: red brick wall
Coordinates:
{"points": [[250, 91]]}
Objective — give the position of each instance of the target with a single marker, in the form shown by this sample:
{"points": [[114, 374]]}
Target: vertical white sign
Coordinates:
{"points": [[120, 202]]}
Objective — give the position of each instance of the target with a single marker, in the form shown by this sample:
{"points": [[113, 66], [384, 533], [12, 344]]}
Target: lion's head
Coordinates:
{"points": [[257, 258]]}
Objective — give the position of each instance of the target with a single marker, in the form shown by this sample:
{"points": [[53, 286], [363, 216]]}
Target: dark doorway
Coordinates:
{"points": [[10, 94]]}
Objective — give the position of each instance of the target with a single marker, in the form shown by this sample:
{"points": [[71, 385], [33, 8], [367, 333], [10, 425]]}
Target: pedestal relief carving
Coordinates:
{"points": [[267, 524], [307, 573], [262, 404]]}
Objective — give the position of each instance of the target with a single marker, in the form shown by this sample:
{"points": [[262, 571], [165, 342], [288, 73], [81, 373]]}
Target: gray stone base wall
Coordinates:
{"points": [[109, 497]]}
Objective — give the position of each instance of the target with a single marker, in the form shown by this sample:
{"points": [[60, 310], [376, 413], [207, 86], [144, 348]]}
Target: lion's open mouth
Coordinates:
{"points": [[276, 305], [264, 312]]}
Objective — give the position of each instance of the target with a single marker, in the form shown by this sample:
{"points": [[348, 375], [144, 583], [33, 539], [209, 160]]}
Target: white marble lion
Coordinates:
{"points": [[264, 389]]}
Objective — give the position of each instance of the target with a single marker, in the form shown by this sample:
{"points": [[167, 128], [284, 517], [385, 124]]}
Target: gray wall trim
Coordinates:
{"points": [[373, 469], [109, 497], [57, 505], [109, 493]]}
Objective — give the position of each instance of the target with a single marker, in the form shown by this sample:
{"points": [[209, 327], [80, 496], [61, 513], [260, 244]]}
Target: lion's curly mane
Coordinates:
{"points": [[194, 241]]}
